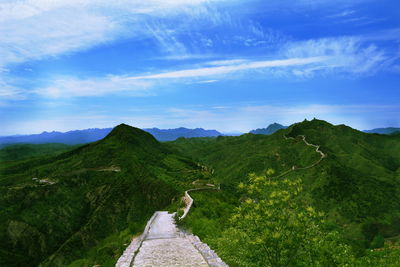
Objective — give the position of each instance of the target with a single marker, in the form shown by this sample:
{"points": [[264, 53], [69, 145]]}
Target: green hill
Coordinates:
{"points": [[26, 151], [86, 203], [357, 184]]}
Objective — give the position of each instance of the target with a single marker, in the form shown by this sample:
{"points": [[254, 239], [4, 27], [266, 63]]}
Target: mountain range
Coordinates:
{"points": [[388, 130], [92, 135]]}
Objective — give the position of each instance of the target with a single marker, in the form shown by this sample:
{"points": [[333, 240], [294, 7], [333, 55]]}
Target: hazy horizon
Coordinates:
{"points": [[171, 128]]}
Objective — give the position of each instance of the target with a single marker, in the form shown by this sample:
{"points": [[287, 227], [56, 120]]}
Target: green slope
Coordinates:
{"points": [[234, 157], [26, 151], [357, 184], [86, 203]]}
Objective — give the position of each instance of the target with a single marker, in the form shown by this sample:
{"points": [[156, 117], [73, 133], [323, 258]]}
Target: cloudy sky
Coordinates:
{"points": [[230, 65]]}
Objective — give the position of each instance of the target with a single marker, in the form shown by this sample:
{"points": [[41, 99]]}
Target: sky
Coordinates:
{"points": [[230, 65]]}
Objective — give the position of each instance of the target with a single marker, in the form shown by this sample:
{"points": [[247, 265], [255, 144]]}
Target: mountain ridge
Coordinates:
{"points": [[94, 134], [386, 130], [272, 128]]}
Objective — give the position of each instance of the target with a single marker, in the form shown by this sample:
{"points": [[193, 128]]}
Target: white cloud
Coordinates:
{"points": [[8, 91], [229, 68], [346, 55], [344, 13], [36, 29], [67, 87], [208, 81]]}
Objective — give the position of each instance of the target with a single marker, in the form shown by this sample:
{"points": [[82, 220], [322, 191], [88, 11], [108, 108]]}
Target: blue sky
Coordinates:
{"points": [[229, 65]]}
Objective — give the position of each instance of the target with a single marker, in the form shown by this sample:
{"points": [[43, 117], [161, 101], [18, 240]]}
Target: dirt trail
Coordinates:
{"points": [[294, 168]]}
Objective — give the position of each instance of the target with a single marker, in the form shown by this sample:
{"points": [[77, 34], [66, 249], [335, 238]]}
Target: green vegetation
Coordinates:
{"points": [[27, 151], [272, 227], [233, 158], [82, 206], [356, 186], [209, 213]]}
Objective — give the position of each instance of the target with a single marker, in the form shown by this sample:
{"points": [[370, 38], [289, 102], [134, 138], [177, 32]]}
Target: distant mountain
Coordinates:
{"points": [[272, 128], [91, 135], [388, 130], [69, 138], [173, 134]]}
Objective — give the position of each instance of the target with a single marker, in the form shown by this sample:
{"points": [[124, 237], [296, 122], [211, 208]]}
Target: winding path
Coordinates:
{"points": [[294, 168], [163, 244], [189, 200]]}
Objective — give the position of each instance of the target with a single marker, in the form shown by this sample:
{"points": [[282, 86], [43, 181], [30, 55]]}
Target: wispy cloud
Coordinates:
{"points": [[344, 13], [68, 87], [346, 55], [37, 29], [231, 67], [8, 91], [303, 59], [208, 81]]}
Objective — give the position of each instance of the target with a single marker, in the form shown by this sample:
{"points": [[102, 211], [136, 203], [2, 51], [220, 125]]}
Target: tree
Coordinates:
{"points": [[273, 226]]}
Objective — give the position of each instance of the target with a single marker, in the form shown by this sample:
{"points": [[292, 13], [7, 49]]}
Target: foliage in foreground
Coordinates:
{"points": [[272, 227]]}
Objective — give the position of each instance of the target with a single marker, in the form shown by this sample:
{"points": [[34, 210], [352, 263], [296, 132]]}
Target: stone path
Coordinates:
{"points": [[165, 246]]}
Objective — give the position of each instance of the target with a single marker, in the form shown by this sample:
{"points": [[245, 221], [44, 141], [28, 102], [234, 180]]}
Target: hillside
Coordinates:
{"points": [[272, 128], [92, 135], [83, 205], [26, 151], [357, 184]]}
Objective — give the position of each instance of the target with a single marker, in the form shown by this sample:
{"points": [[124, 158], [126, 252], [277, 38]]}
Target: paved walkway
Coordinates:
{"points": [[164, 246]]}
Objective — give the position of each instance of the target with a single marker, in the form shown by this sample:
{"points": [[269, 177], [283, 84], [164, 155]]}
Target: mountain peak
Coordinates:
{"points": [[128, 134], [272, 128]]}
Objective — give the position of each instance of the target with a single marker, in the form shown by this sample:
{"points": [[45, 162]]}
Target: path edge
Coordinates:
{"points": [[130, 252]]}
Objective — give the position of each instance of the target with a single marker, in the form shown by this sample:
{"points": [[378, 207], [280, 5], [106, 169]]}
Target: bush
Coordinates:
{"points": [[273, 227]]}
